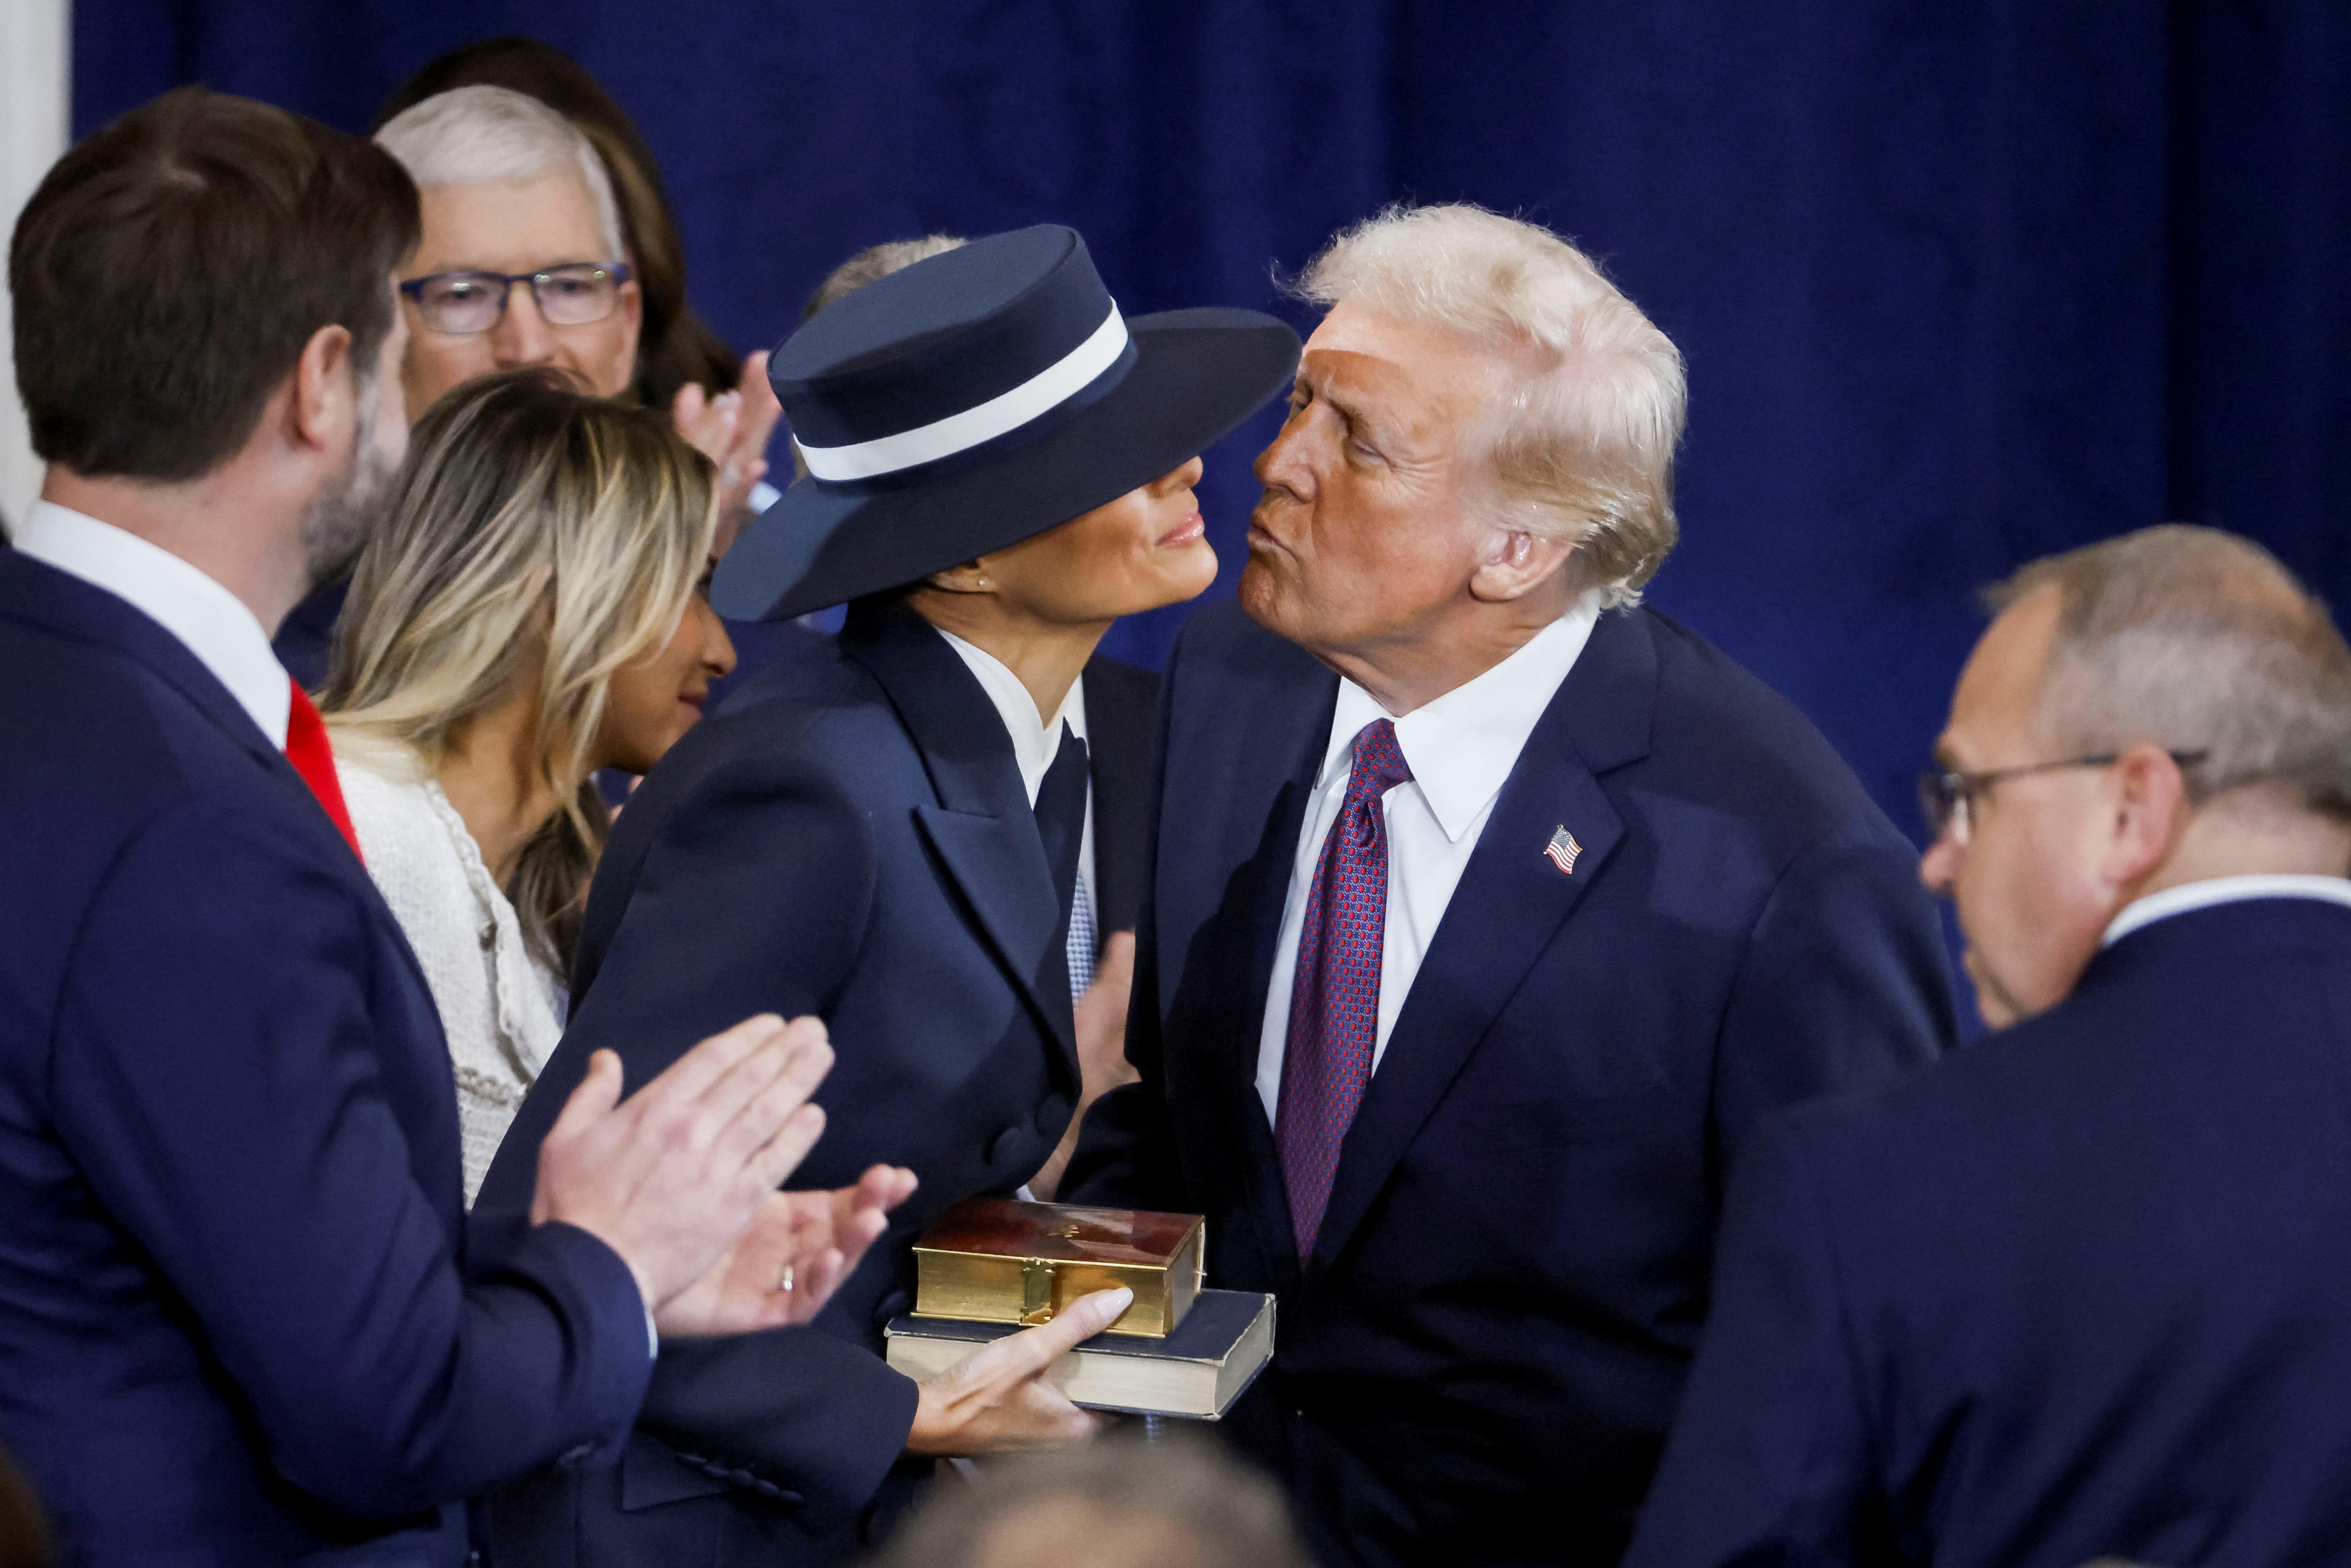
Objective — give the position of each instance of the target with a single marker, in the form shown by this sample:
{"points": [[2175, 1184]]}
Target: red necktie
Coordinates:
{"points": [[314, 760], [1334, 1002]]}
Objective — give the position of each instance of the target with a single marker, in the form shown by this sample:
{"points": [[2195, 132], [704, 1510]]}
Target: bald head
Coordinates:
{"points": [[1115, 1503]]}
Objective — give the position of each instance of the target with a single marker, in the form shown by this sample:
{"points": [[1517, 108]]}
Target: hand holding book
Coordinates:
{"points": [[999, 1399]]}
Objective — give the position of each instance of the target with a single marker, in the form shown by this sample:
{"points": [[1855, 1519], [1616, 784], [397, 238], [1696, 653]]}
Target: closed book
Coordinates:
{"points": [[1002, 1262], [1198, 1370]]}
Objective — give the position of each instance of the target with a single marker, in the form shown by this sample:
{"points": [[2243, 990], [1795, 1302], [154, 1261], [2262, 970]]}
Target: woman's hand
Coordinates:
{"points": [[731, 430], [997, 1400], [798, 1248], [1101, 1052]]}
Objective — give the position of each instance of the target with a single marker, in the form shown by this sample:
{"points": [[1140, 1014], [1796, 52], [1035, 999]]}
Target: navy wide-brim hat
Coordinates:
{"points": [[977, 398]]}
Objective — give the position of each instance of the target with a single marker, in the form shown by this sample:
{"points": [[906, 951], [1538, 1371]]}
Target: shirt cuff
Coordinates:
{"points": [[652, 1336], [763, 496]]}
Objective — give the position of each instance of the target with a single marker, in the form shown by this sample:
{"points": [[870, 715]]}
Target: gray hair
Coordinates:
{"points": [[874, 263], [2196, 640], [1582, 449], [474, 135], [1176, 1504]]}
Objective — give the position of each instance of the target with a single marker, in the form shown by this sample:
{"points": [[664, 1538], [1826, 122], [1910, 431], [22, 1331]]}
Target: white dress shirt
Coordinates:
{"points": [[1461, 749], [2211, 891], [1035, 743], [210, 622]]}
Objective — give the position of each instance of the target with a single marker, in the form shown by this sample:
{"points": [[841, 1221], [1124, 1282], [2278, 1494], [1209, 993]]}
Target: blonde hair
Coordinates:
{"points": [[476, 135], [533, 530], [1582, 449]]}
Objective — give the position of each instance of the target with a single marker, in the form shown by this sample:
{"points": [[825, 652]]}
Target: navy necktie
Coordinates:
{"points": [[1334, 1000], [1062, 823]]}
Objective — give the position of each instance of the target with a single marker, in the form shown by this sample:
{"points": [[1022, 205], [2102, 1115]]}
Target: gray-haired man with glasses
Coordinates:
{"points": [[2079, 1291]]}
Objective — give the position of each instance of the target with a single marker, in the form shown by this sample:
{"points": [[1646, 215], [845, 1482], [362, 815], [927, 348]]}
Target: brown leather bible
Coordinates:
{"points": [[997, 1261]]}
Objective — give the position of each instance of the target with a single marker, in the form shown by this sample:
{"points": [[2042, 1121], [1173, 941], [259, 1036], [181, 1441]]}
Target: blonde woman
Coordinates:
{"points": [[531, 610]]}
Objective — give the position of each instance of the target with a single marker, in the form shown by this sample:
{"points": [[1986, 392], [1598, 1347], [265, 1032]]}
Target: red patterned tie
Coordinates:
{"points": [[1334, 1002], [314, 760]]}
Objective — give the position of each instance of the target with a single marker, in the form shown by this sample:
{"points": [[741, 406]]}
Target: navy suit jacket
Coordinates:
{"points": [[242, 1316], [2083, 1292], [1478, 1362], [850, 837]]}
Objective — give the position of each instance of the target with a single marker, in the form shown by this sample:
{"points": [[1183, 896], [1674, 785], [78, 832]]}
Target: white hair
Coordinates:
{"points": [[1583, 448], [474, 135]]}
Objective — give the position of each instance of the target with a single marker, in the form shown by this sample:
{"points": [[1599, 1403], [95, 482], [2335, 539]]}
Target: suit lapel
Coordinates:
{"points": [[1509, 906], [1118, 702], [981, 829], [60, 603], [1248, 768]]}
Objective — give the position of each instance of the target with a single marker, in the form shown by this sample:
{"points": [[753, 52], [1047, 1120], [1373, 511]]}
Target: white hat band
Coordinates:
{"points": [[1039, 395]]}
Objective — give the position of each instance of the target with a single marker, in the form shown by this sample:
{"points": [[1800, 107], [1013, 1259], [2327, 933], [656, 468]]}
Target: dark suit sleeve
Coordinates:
{"points": [[752, 897], [1126, 1155], [1770, 1457], [217, 1081], [1845, 983]]}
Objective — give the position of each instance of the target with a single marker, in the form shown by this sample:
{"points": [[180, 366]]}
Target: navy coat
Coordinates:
{"points": [[2083, 1292], [242, 1316], [1479, 1362], [848, 836]]}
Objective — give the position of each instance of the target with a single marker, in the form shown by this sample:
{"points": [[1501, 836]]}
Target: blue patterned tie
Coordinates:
{"points": [[1334, 1002]]}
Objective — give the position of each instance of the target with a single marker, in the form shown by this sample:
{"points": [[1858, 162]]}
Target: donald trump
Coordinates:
{"points": [[1488, 910]]}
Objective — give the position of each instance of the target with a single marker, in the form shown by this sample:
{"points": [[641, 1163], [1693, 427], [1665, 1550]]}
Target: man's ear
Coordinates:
{"points": [[2150, 809], [325, 404], [971, 577], [1515, 564]]}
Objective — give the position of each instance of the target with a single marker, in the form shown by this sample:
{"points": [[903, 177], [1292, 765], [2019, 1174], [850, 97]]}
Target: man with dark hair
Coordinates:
{"points": [[243, 1315]]}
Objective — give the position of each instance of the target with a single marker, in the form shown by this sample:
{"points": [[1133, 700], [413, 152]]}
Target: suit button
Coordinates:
{"points": [[1001, 1146], [1052, 1112], [890, 1306], [576, 1456]]}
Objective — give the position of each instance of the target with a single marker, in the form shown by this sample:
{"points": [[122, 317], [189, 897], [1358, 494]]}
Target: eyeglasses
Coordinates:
{"points": [[1947, 798], [460, 304]]}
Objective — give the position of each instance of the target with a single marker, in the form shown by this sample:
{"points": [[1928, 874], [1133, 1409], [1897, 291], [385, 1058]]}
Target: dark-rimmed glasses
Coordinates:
{"points": [[1947, 798], [461, 304]]}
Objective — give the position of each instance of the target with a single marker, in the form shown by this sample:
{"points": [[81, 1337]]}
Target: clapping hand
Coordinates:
{"points": [[731, 430], [786, 1265]]}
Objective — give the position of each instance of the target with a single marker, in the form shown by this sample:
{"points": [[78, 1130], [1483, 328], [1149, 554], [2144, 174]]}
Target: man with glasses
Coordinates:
{"points": [[522, 262], [2080, 1291]]}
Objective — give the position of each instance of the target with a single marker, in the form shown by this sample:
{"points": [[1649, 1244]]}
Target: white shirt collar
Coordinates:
{"points": [[2189, 895], [1462, 747], [212, 623], [1035, 743]]}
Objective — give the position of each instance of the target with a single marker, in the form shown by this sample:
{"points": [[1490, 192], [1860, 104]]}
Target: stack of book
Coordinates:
{"points": [[987, 1268]]}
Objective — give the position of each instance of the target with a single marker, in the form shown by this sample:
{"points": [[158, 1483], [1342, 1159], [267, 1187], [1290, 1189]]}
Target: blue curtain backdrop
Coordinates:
{"points": [[1959, 284]]}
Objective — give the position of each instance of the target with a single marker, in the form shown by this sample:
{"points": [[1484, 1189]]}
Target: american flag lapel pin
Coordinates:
{"points": [[1563, 849]]}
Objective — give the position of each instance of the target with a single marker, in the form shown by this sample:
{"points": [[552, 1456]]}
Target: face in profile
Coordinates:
{"points": [[1146, 550], [2020, 859], [512, 227], [1363, 536], [659, 695], [339, 522]]}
